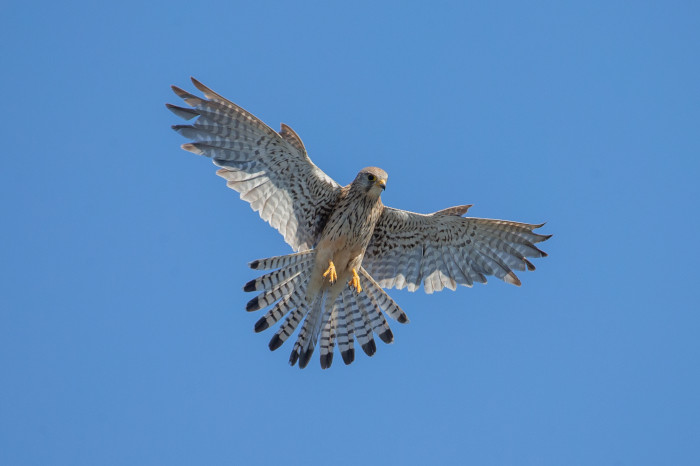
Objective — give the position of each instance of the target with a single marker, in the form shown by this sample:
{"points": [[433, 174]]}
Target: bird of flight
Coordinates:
{"points": [[347, 245]]}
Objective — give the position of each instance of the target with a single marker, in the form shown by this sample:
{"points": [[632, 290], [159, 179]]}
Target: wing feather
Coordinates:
{"points": [[443, 249], [270, 170]]}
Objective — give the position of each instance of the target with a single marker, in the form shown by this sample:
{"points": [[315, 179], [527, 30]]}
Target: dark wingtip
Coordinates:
{"points": [[511, 278], [530, 265], [293, 358], [403, 318], [387, 336], [326, 360], [177, 90], [182, 112], [370, 348], [250, 286], [275, 342], [252, 305], [261, 325], [254, 264], [305, 358], [198, 84], [348, 356]]}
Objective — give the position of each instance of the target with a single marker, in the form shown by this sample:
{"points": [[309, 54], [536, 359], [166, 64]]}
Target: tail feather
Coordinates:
{"points": [[361, 324], [383, 299], [267, 298], [346, 337], [279, 261], [279, 310], [350, 316], [373, 315], [287, 328], [319, 322], [308, 335], [328, 340]]}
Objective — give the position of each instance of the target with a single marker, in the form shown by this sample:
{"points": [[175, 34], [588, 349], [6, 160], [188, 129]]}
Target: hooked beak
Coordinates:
{"points": [[382, 184]]}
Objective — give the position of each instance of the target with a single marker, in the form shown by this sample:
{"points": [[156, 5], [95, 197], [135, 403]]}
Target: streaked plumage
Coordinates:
{"points": [[348, 245]]}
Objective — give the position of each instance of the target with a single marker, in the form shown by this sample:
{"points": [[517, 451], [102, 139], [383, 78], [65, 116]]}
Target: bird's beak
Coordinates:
{"points": [[382, 183]]}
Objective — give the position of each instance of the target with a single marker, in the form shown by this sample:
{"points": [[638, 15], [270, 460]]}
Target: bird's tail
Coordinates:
{"points": [[337, 319]]}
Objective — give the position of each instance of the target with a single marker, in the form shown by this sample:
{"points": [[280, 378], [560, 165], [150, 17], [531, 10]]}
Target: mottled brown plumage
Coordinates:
{"points": [[348, 231], [348, 244]]}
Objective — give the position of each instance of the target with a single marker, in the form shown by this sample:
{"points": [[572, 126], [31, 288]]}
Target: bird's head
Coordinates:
{"points": [[371, 180]]}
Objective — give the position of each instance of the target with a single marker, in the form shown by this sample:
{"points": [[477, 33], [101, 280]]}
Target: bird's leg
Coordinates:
{"points": [[355, 281], [330, 272]]}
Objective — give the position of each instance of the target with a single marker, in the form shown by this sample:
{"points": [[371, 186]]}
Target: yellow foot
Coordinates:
{"points": [[355, 281], [330, 272]]}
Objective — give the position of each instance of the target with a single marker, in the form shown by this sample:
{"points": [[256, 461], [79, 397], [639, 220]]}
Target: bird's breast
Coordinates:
{"points": [[345, 237]]}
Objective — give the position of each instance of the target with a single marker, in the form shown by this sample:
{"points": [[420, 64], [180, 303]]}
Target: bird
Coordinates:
{"points": [[348, 248]]}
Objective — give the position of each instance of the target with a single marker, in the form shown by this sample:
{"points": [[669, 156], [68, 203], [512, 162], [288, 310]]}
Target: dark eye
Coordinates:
{"points": [[371, 177]]}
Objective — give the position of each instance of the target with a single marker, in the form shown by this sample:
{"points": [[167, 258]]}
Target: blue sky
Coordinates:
{"points": [[123, 335]]}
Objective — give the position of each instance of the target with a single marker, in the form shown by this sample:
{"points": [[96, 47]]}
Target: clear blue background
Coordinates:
{"points": [[123, 335]]}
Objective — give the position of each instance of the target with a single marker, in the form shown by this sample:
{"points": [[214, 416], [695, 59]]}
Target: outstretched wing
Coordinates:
{"points": [[270, 170], [443, 249]]}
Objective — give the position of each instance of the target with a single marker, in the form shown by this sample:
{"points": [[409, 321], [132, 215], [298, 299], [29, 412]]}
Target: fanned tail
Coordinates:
{"points": [[342, 319], [284, 287], [308, 335]]}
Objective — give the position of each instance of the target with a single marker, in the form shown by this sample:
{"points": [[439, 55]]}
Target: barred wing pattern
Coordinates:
{"points": [[443, 249], [270, 170]]}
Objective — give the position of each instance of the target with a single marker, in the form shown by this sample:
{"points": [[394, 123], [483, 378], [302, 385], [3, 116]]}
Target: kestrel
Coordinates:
{"points": [[348, 245]]}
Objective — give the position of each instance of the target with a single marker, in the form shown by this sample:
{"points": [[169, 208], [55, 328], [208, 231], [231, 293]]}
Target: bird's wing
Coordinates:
{"points": [[270, 170], [443, 249]]}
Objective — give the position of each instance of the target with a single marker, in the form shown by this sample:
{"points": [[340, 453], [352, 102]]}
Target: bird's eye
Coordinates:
{"points": [[371, 177]]}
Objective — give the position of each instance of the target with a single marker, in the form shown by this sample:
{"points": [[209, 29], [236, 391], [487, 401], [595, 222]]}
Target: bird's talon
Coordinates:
{"points": [[330, 272], [355, 281]]}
